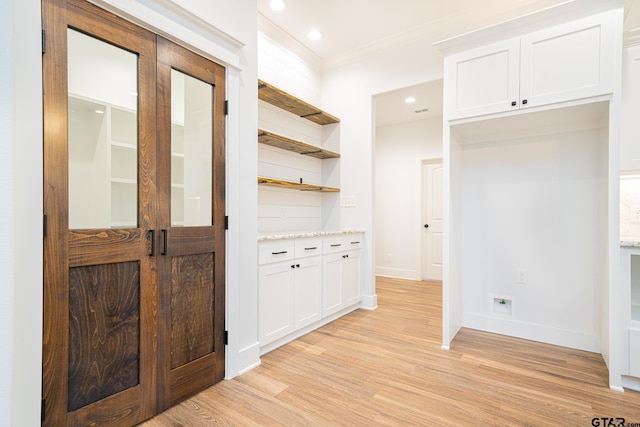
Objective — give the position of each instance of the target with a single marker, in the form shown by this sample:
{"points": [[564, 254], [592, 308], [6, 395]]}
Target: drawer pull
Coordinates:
{"points": [[355, 243], [311, 249], [278, 253], [336, 245]]}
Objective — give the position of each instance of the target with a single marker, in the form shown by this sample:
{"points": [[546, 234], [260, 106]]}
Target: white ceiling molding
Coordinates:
{"points": [[179, 24], [554, 15], [280, 37]]}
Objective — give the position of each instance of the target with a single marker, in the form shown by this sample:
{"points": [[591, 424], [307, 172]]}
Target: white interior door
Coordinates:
{"points": [[432, 220]]}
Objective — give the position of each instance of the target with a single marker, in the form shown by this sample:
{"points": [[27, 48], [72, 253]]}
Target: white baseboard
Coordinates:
{"points": [[397, 273], [632, 383], [533, 332], [243, 361], [369, 302], [297, 334]]}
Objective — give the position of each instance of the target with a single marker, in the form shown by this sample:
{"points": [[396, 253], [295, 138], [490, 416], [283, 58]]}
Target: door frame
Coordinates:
{"points": [[421, 255]]}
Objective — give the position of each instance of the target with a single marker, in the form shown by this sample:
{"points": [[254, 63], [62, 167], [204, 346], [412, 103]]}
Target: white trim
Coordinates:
{"points": [[545, 18], [369, 302], [530, 331], [179, 24]]}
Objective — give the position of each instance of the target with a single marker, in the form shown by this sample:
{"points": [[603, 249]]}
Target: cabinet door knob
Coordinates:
{"points": [[514, 103], [524, 101], [293, 266], [426, 226], [297, 265]]}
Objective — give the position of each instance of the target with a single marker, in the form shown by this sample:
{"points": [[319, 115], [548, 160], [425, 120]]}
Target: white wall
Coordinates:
{"points": [[21, 181], [531, 204], [398, 153], [347, 92], [21, 217]]}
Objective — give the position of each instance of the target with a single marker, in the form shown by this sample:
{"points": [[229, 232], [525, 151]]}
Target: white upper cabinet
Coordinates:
{"points": [[561, 63], [484, 80], [630, 143]]}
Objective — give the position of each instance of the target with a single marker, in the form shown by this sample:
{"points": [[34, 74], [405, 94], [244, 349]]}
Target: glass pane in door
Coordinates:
{"points": [[191, 151], [103, 134]]}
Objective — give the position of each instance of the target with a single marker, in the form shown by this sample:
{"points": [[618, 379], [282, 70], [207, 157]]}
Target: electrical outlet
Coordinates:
{"points": [[348, 202], [522, 276], [634, 214]]}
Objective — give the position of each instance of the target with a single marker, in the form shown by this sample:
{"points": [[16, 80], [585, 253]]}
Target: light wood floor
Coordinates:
{"points": [[385, 367]]}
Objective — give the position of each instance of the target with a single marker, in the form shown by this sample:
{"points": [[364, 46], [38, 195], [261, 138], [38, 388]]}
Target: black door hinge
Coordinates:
{"points": [[226, 222], [44, 42], [226, 337], [42, 406], [44, 225], [226, 108]]}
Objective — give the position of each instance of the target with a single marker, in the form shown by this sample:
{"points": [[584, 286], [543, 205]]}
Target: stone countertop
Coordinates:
{"points": [[627, 244], [303, 234]]}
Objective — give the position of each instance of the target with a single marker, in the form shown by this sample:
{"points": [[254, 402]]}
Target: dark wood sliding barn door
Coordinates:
{"points": [[134, 218]]}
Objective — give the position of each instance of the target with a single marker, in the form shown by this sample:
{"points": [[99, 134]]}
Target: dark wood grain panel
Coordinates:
{"points": [[104, 331], [279, 141], [105, 246], [120, 409], [192, 303], [191, 240], [196, 375]]}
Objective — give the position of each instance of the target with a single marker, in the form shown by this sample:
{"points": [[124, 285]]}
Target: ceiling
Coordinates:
{"points": [[351, 28]]}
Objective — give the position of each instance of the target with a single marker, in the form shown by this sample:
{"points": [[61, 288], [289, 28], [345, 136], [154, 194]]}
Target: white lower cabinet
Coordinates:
{"points": [[342, 278], [303, 281], [276, 301]]}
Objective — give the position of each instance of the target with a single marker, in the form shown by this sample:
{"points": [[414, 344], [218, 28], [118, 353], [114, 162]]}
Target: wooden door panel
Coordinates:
{"points": [[191, 260], [191, 240], [192, 302], [104, 331], [103, 246], [99, 285]]}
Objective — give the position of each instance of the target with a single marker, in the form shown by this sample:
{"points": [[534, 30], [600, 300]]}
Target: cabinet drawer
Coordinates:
{"points": [[282, 250], [333, 244], [353, 241], [308, 247]]}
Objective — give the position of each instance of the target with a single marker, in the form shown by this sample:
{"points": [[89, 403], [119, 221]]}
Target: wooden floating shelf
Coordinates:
{"points": [[299, 147], [290, 103], [295, 185]]}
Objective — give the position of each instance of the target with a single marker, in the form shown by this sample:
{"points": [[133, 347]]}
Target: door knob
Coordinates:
{"points": [[426, 226]]}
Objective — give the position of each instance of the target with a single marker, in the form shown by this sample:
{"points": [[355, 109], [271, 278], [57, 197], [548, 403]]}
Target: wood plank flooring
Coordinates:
{"points": [[386, 367]]}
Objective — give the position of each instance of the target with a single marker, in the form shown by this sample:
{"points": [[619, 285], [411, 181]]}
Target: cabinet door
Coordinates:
{"points": [[483, 80], [630, 147], [332, 299], [275, 301], [352, 277], [570, 61], [634, 353], [308, 291]]}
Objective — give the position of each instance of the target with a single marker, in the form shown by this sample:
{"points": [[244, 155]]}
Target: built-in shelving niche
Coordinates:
{"points": [[300, 155]]}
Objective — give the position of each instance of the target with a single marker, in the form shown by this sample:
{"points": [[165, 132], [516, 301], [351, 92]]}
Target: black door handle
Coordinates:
{"points": [[152, 252], [163, 251], [426, 226]]}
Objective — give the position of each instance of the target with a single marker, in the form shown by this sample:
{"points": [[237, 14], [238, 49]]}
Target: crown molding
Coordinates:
{"points": [[179, 23]]}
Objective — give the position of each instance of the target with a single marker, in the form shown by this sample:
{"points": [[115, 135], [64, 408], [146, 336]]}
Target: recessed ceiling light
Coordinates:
{"points": [[99, 112], [315, 35], [410, 100], [278, 5]]}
